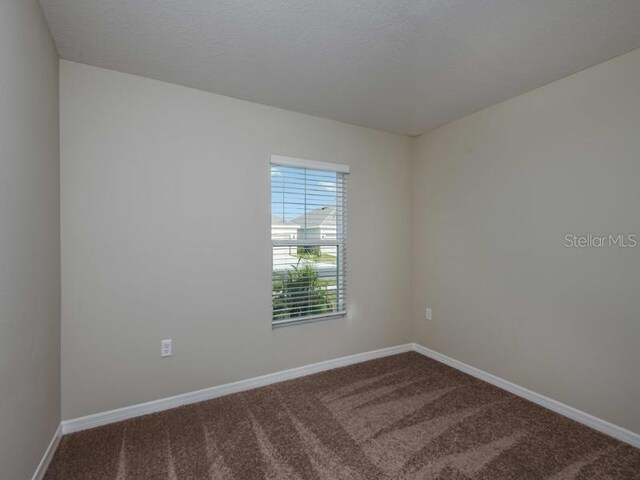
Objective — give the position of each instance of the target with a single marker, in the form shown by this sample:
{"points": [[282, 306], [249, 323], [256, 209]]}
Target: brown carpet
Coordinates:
{"points": [[404, 416]]}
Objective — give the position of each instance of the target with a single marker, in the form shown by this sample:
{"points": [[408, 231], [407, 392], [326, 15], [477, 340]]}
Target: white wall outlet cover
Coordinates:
{"points": [[165, 348], [427, 313]]}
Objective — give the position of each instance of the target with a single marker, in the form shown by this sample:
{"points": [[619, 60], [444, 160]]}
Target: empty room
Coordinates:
{"points": [[319, 239]]}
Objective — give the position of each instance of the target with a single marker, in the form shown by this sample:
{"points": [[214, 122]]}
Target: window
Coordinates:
{"points": [[308, 233]]}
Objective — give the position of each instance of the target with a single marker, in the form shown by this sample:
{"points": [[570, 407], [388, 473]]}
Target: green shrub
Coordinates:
{"points": [[310, 250], [300, 290]]}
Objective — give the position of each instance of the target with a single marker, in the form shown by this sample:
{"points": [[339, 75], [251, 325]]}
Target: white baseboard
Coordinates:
{"points": [[48, 454], [104, 418], [579, 416], [111, 416]]}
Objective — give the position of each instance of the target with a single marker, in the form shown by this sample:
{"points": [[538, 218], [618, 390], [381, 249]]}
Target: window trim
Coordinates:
{"points": [[308, 319], [309, 164], [285, 161]]}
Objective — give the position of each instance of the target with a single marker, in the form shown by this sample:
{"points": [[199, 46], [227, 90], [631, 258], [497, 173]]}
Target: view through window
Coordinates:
{"points": [[308, 220]]}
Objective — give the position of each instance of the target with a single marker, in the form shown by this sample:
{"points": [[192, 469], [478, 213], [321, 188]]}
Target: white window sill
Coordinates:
{"points": [[312, 318]]}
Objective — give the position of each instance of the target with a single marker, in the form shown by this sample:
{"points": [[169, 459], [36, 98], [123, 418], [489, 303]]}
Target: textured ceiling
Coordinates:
{"points": [[406, 66]]}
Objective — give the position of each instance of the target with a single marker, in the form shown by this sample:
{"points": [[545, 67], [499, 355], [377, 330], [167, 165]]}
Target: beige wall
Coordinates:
{"points": [[495, 194], [29, 239], [166, 234]]}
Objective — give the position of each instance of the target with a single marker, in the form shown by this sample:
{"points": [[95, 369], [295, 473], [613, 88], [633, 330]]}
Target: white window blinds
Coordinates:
{"points": [[308, 236]]}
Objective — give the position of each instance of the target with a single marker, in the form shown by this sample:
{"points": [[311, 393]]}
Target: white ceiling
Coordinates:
{"points": [[406, 66]]}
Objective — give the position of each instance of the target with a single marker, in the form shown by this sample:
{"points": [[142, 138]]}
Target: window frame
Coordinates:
{"points": [[339, 242]]}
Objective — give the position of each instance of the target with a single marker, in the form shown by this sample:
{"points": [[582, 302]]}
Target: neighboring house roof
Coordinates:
{"points": [[278, 221], [319, 217]]}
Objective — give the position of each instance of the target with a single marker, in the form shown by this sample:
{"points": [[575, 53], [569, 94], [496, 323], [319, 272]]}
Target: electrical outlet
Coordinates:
{"points": [[427, 314], [165, 348]]}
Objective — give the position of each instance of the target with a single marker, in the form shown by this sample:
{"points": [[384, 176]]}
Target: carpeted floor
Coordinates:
{"points": [[404, 416]]}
